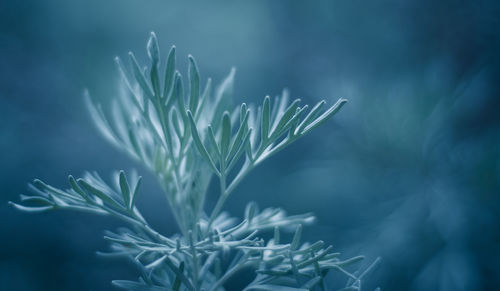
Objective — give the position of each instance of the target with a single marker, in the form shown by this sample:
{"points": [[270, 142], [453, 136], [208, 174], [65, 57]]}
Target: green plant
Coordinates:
{"points": [[185, 142]]}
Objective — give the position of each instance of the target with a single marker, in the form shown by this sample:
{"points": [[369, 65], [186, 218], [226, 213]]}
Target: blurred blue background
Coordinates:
{"points": [[409, 170]]}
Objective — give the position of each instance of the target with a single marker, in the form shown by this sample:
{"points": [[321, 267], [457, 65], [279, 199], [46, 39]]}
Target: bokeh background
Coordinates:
{"points": [[409, 170]]}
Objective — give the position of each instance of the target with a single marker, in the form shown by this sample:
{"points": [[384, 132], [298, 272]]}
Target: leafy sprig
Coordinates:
{"points": [[185, 140]]}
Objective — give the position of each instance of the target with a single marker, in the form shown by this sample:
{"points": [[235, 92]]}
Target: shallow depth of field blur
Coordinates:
{"points": [[409, 170]]}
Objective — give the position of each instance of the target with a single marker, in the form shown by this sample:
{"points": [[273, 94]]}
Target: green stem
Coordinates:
{"points": [[176, 173], [196, 282], [220, 201]]}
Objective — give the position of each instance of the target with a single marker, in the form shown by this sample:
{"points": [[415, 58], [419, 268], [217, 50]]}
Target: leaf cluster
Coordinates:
{"points": [[187, 137]]}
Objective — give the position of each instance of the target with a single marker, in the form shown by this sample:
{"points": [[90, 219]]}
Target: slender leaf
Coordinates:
{"points": [[174, 119], [238, 140], [154, 55], [153, 49], [98, 193], [169, 73], [136, 191], [325, 116], [287, 115], [30, 208], [212, 140], [77, 188], [139, 76], [226, 134], [310, 116], [194, 87], [125, 189], [199, 144], [265, 119]]}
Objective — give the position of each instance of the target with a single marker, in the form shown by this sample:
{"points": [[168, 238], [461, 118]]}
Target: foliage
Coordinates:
{"points": [[186, 139]]}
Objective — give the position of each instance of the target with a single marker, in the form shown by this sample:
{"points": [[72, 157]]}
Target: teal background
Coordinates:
{"points": [[409, 170]]}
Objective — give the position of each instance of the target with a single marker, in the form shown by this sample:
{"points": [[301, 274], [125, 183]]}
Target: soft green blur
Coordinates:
{"points": [[409, 170]]}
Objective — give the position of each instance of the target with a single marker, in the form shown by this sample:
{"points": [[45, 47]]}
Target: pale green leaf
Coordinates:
{"points": [[325, 116], [125, 189], [194, 84], [169, 73], [136, 190], [199, 144], [265, 119], [139, 76], [98, 193], [226, 135]]}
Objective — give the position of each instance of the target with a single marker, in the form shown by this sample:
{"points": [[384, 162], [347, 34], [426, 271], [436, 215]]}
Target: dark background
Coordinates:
{"points": [[409, 170]]}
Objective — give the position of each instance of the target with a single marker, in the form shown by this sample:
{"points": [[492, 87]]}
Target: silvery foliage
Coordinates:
{"points": [[185, 141]]}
